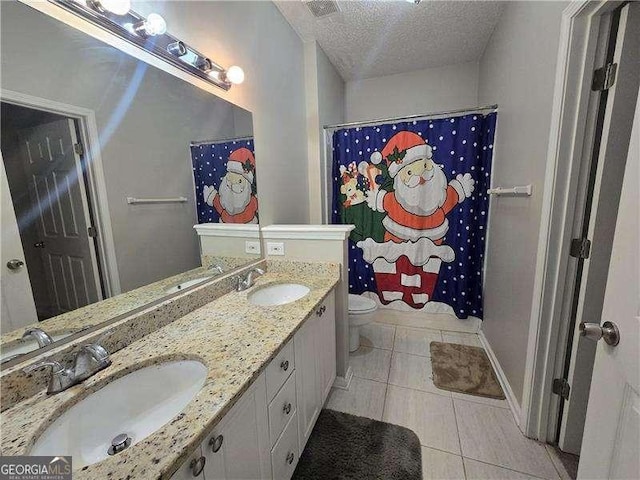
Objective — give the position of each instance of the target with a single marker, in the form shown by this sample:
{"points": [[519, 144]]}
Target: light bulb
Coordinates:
{"points": [[155, 25], [117, 7], [235, 75]]}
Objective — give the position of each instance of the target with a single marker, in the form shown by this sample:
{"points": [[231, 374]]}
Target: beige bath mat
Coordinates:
{"points": [[464, 369]]}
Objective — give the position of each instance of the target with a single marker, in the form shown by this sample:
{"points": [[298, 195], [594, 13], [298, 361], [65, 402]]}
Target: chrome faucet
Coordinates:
{"points": [[38, 335], [61, 378], [88, 361], [214, 267], [247, 282]]}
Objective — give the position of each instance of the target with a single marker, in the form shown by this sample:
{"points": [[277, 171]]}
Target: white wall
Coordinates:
{"points": [[254, 35], [144, 129], [413, 93], [325, 101], [517, 72]]}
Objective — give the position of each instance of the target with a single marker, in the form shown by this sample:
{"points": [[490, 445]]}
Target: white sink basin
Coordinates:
{"points": [[187, 284], [279, 294], [20, 347], [137, 405]]}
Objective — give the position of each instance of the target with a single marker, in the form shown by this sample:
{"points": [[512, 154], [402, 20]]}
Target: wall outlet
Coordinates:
{"points": [[252, 247], [275, 248]]}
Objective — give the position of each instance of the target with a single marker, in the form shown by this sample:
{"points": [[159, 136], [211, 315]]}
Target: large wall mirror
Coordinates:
{"points": [[107, 165]]}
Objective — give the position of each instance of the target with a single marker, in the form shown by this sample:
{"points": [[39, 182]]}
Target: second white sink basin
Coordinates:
{"points": [[279, 294], [187, 284], [135, 405]]}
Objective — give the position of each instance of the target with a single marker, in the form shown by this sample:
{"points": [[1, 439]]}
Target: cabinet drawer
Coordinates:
{"points": [[282, 408], [284, 456], [279, 370]]}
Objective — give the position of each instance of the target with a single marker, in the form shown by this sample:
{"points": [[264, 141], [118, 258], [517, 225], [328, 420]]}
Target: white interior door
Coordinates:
{"points": [[612, 431], [16, 299], [56, 188], [611, 161]]}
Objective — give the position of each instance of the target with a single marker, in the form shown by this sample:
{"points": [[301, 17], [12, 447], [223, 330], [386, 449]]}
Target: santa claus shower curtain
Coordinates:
{"points": [[224, 174], [417, 193]]}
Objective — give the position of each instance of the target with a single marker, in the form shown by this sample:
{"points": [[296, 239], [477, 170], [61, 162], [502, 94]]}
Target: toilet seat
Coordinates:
{"points": [[359, 305]]}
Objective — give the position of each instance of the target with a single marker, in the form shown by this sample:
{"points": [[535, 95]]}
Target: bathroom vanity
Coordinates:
{"points": [[264, 433], [270, 364]]}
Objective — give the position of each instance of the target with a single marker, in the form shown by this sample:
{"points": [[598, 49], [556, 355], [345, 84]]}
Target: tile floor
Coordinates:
{"points": [[462, 436]]}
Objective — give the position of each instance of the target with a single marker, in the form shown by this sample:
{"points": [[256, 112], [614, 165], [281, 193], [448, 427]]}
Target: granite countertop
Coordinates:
{"points": [[233, 338], [96, 313]]}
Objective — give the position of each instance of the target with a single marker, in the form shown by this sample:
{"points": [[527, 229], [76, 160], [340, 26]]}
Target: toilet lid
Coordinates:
{"points": [[360, 304]]}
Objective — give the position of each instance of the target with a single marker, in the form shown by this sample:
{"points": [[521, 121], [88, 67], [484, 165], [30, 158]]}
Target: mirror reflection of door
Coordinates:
{"points": [[45, 174]]}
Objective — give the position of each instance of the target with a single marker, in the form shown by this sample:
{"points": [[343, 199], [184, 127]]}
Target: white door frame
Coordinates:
{"points": [[97, 191], [574, 70]]}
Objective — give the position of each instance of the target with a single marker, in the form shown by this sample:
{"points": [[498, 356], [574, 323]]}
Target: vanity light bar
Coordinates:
{"points": [[150, 34]]}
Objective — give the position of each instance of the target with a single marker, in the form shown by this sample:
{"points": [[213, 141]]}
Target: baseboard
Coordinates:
{"points": [[344, 383], [514, 405]]}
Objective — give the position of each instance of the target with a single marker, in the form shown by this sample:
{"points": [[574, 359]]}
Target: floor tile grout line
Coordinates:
{"points": [[455, 417], [554, 463], [503, 467]]}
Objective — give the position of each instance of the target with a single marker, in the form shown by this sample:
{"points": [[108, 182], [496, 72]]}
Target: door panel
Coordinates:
{"points": [[307, 382], [18, 308], [610, 441], [56, 188], [612, 154]]}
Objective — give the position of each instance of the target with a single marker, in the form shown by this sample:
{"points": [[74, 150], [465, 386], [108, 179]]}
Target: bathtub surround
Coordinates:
{"points": [[233, 338]]}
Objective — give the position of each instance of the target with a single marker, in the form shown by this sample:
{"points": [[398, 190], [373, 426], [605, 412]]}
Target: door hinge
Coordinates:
{"points": [[580, 248], [561, 387], [92, 232], [78, 148], [604, 77]]}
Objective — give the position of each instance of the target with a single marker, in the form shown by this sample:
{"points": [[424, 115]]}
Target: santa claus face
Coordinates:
{"points": [[421, 187], [235, 193]]}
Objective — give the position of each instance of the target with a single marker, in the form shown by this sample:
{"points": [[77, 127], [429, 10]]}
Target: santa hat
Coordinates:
{"points": [[401, 150], [242, 162]]}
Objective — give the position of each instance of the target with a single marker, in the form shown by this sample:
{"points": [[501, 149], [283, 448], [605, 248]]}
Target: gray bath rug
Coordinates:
{"points": [[464, 369], [344, 446]]}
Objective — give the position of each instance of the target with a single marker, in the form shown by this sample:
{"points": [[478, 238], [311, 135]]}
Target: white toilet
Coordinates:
{"points": [[361, 312]]}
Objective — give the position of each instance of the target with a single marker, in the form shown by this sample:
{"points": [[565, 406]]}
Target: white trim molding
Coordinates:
{"points": [[237, 230], [514, 405], [95, 171], [576, 54], [307, 232], [344, 383]]}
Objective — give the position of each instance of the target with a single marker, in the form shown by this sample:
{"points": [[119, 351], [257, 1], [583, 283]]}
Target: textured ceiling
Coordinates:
{"points": [[374, 38]]}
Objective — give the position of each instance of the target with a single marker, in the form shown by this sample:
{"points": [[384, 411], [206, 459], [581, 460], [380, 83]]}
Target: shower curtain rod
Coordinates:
{"points": [[218, 140], [412, 117]]}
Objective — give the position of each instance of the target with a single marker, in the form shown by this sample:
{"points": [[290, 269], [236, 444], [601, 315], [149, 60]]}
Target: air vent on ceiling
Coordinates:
{"points": [[322, 8]]}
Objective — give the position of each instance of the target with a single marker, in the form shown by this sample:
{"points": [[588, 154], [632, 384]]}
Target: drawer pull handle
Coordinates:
{"points": [[287, 408], [290, 457], [321, 310], [285, 365], [216, 443], [197, 466]]}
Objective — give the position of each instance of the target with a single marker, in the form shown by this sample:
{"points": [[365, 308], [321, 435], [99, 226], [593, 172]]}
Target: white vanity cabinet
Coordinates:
{"points": [[315, 353], [263, 434]]}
